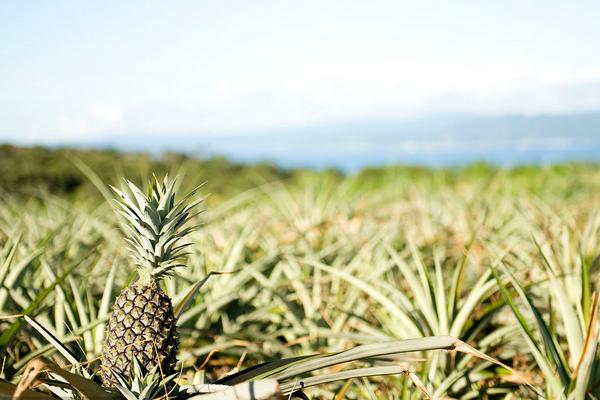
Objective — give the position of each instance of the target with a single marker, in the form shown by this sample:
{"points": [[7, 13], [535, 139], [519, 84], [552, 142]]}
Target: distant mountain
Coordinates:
{"points": [[433, 141]]}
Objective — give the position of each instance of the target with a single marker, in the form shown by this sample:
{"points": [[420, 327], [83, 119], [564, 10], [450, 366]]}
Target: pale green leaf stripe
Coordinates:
{"points": [[105, 303], [88, 340], [71, 358], [482, 290], [543, 363], [411, 329], [440, 297], [569, 316], [421, 293], [286, 388], [185, 301], [368, 351], [74, 336], [585, 366]]}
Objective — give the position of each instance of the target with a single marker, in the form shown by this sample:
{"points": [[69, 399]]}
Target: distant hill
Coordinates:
{"points": [[435, 141]]}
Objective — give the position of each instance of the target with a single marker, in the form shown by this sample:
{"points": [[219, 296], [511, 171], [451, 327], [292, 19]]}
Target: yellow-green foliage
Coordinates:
{"points": [[322, 262]]}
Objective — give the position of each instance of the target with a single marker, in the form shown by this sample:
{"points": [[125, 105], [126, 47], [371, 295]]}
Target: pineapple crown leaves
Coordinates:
{"points": [[140, 385], [155, 224]]}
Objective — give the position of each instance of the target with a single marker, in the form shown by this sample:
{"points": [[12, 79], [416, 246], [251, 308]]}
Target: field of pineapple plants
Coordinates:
{"points": [[392, 283]]}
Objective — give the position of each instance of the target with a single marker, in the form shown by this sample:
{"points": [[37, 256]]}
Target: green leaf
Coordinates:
{"points": [[54, 341], [9, 334], [556, 360], [185, 301]]}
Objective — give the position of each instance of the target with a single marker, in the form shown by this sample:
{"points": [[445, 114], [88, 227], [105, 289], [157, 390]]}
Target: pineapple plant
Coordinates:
{"points": [[142, 328]]}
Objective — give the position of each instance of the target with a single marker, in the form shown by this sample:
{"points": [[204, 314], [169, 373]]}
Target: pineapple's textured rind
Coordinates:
{"points": [[143, 326]]}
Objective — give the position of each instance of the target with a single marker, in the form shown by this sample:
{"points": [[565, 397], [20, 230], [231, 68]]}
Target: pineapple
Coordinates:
{"points": [[142, 326]]}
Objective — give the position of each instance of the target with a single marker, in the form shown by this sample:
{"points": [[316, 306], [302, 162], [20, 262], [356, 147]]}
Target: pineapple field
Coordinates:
{"points": [[129, 277]]}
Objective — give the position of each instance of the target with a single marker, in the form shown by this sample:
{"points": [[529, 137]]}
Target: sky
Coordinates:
{"points": [[84, 70]]}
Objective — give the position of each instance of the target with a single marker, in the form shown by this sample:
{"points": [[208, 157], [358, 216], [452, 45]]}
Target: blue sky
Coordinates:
{"points": [[79, 69]]}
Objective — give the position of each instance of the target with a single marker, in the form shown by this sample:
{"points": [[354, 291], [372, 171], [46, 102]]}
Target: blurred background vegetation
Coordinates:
{"points": [[27, 171]]}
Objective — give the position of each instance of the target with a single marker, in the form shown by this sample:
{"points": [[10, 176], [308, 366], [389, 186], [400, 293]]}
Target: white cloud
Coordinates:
{"points": [[95, 119], [88, 122], [333, 88]]}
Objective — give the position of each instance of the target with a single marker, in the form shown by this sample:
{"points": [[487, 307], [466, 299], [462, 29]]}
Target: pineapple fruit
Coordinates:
{"points": [[142, 326]]}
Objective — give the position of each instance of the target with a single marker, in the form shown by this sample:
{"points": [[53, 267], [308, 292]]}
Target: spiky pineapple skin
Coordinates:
{"points": [[142, 326]]}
